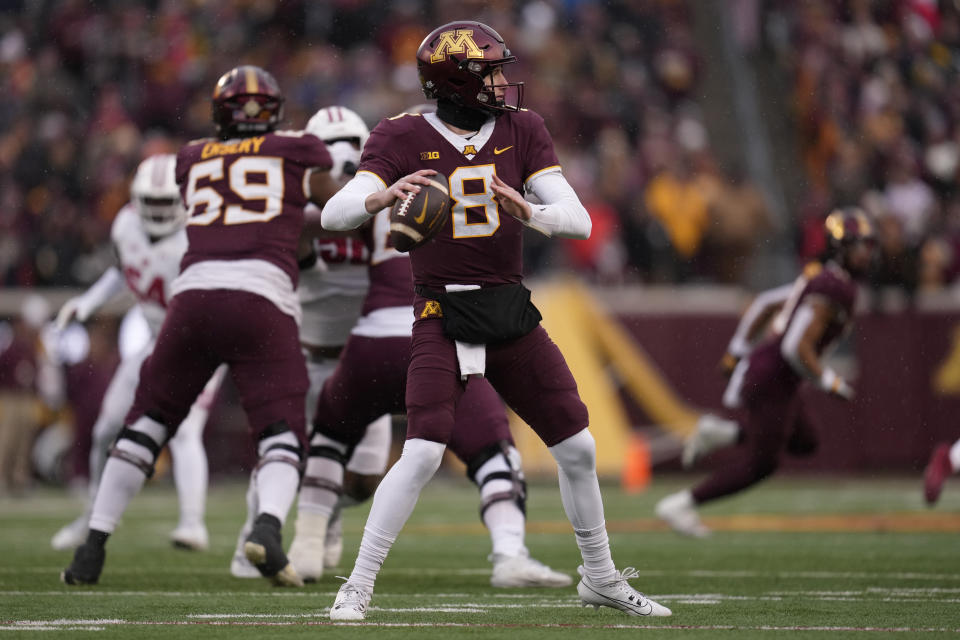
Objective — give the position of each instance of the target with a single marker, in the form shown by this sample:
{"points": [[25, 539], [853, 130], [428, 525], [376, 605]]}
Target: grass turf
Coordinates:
{"points": [[824, 558]]}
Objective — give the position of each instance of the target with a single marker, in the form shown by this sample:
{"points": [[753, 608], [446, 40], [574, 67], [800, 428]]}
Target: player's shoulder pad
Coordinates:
{"points": [[400, 124], [126, 222]]}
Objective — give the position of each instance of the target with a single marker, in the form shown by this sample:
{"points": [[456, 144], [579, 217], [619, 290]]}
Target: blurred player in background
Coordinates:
{"points": [[347, 457], [806, 320], [944, 462], [333, 283], [491, 151], [234, 302], [29, 378], [149, 240]]}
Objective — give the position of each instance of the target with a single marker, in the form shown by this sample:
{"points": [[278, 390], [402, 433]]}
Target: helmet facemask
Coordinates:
{"points": [[161, 215]]}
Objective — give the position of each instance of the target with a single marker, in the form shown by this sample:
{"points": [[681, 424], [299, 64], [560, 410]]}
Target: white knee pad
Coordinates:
{"points": [[282, 447], [140, 444], [369, 457], [577, 454], [421, 458]]}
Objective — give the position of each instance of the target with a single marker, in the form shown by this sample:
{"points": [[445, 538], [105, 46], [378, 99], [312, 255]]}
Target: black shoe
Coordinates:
{"points": [[264, 548], [86, 566]]}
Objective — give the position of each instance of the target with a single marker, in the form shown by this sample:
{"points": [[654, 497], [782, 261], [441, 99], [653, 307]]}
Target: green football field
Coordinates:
{"points": [[795, 558]]}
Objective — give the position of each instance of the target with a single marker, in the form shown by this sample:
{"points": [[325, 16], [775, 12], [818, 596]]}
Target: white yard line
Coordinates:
{"points": [[100, 625]]}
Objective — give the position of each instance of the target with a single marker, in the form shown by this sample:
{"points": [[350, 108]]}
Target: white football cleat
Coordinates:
{"points": [[333, 544], [351, 603], [618, 594], [711, 433], [524, 571], [307, 549], [72, 535], [191, 537], [678, 511], [240, 567]]}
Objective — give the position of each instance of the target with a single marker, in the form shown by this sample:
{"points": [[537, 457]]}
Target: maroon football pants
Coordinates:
{"points": [[204, 328]]}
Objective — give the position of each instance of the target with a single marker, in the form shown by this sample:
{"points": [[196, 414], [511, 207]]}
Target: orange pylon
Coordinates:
{"points": [[636, 464]]}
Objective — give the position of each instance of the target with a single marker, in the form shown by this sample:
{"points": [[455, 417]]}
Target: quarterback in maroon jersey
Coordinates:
{"points": [[343, 447], [493, 152], [813, 314], [234, 302]]}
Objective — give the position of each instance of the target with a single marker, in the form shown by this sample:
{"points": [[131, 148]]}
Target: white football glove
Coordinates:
{"points": [[72, 309], [835, 385]]}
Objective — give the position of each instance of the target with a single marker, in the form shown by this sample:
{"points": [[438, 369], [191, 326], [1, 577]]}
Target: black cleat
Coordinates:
{"points": [[86, 566], [264, 548]]}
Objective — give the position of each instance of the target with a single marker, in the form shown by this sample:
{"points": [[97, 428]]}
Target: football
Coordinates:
{"points": [[418, 217]]}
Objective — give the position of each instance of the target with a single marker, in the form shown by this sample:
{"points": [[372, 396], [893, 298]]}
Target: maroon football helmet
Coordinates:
{"points": [[246, 102], [847, 230], [846, 226], [453, 61]]}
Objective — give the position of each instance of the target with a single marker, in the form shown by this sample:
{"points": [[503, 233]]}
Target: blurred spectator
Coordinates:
{"points": [[678, 202], [739, 219], [20, 382]]}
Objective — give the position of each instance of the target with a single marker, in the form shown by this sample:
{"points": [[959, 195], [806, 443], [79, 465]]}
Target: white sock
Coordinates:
{"points": [[321, 499], [955, 456], [580, 493], [503, 518], [190, 466], [122, 479], [506, 524], [278, 478], [393, 503]]}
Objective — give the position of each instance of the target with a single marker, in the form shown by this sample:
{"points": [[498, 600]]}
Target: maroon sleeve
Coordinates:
{"points": [[383, 152], [306, 149], [539, 153], [835, 290]]}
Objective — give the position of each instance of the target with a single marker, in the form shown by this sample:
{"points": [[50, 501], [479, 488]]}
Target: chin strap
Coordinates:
{"points": [[460, 116]]}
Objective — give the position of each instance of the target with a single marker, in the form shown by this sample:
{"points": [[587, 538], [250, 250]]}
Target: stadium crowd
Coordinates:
{"points": [[877, 106], [874, 95], [83, 107]]}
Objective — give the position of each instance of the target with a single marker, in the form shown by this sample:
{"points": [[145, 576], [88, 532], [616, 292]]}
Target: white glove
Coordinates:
{"points": [[835, 385], [72, 308]]}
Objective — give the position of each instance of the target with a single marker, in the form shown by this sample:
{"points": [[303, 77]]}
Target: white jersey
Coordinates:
{"points": [[332, 293], [149, 267]]}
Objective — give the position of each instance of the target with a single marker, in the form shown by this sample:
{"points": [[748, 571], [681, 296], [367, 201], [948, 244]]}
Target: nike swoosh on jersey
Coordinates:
{"points": [[423, 212], [497, 151]]}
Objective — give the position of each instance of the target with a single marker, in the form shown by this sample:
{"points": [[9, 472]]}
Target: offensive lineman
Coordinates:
{"points": [[492, 151], [234, 302], [149, 239]]}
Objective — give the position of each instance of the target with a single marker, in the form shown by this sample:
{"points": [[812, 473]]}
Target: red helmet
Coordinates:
{"points": [[246, 101], [454, 60]]}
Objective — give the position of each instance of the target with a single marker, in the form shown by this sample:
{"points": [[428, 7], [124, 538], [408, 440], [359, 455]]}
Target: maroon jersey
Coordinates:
{"points": [[391, 280], [828, 282], [245, 197], [479, 244]]}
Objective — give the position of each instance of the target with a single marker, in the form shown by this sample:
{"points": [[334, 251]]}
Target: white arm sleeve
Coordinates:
{"points": [[561, 214], [347, 208], [789, 346], [108, 285], [740, 344]]}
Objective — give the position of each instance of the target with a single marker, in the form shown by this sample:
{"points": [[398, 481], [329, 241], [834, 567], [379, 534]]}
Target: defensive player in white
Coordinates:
{"points": [[333, 285], [149, 240]]}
